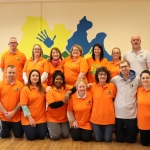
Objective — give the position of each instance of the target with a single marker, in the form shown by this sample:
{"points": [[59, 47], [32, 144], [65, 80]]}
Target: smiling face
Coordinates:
{"points": [[11, 74], [34, 78], [116, 54], [55, 54], [102, 77], [75, 52], [58, 81], [125, 69], [145, 79], [37, 51], [97, 51], [81, 88], [13, 44], [136, 42]]}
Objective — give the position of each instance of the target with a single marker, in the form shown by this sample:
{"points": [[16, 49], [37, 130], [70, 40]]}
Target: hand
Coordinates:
{"points": [[89, 86], [47, 89], [75, 124], [43, 37], [9, 114], [66, 97], [32, 121]]}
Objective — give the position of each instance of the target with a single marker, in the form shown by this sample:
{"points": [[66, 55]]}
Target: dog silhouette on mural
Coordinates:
{"points": [[78, 37]]}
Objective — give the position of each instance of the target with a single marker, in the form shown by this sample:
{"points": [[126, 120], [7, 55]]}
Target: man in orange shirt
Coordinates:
{"points": [[9, 104], [13, 57]]}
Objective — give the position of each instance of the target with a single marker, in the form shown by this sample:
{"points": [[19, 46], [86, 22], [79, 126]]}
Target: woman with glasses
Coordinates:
{"points": [[103, 113], [113, 66], [38, 63], [97, 60]]}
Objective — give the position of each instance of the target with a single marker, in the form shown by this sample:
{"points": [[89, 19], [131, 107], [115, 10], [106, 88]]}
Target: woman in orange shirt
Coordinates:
{"points": [[75, 66], [55, 59], [113, 66], [103, 113], [38, 63], [79, 109], [33, 103], [57, 121], [97, 60], [143, 117]]}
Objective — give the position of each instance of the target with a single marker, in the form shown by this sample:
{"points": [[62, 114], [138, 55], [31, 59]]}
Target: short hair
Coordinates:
{"points": [[80, 81], [13, 38], [10, 66], [40, 50], [39, 85], [80, 49], [58, 50], [145, 71], [101, 53], [102, 69], [119, 51], [58, 73], [123, 61]]}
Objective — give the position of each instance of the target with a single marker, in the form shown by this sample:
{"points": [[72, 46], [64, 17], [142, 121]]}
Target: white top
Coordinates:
{"points": [[138, 62], [126, 100]]}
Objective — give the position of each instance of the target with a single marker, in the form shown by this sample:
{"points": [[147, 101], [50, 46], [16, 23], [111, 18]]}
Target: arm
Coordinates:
{"points": [[56, 104], [44, 76], [68, 93], [148, 66], [25, 78], [74, 122], [2, 109], [81, 75]]}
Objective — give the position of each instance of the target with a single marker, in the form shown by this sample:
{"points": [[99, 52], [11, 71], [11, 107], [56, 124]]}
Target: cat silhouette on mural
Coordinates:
{"points": [[79, 37]]}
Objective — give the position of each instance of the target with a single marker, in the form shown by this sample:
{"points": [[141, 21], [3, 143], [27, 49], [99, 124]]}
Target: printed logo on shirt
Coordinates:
{"points": [[88, 102], [16, 89], [108, 92], [93, 70], [41, 64], [131, 86], [17, 58], [141, 55]]}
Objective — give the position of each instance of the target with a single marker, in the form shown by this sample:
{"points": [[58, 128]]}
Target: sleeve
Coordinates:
{"points": [[148, 57], [24, 96], [83, 66], [70, 105], [26, 111], [56, 104], [50, 96], [2, 62], [114, 91], [24, 59], [25, 66], [46, 66]]}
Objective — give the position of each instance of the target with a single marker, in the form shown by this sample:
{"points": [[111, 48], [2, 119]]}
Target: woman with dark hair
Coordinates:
{"points": [[143, 117], [103, 113], [33, 103], [97, 60], [113, 66], [57, 121], [38, 63], [55, 59]]}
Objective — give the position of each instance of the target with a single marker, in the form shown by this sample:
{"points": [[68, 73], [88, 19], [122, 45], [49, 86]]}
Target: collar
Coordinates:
{"points": [[78, 96], [6, 82], [14, 53]]}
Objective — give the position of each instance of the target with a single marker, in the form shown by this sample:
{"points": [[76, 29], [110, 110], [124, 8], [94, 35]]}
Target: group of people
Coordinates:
{"points": [[99, 96]]}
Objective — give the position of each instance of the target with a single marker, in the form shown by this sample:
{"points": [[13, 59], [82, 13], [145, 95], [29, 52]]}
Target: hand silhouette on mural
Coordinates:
{"points": [[43, 37]]}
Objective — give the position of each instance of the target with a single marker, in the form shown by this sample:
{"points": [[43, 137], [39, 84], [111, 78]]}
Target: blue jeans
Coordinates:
{"points": [[103, 132]]}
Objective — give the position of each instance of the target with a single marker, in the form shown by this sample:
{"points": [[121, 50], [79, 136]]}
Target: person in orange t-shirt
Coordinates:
{"points": [[97, 60], [75, 66], [103, 112], [57, 121], [79, 109], [114, 65], [33, 103], [13, 57], [54, 63], [38, 63], [143, 117], [10, 110]]}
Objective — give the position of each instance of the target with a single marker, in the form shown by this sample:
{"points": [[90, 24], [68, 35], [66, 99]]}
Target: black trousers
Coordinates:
{"points": [[81, 134], [145, 137], [38, 132], [126, 130], [16, 127]]}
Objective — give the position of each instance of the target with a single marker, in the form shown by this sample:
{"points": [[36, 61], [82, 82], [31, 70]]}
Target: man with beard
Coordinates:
{"points": [[138, 58]]}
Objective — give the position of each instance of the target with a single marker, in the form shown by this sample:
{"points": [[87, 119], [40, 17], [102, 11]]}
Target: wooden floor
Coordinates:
{"points": [[66, 144]]}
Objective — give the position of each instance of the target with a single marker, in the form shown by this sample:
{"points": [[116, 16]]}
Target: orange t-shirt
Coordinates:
{"points": [[143, 116], [93, 65], [41, 65], [36, 103], [52, 68], [17, 59], [103, 112], [10, 97], [81, 108], [56, 115], [73, 68], [114, 68]]}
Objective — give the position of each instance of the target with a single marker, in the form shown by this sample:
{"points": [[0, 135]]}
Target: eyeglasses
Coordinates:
{"points": [[102, 74], [37, 49], [123, 67], [116, 53], [12, 42]]}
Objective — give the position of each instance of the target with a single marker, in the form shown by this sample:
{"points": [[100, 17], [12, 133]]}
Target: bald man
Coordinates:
{"points": [[138, 58]]}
